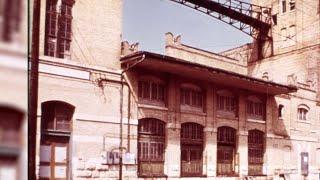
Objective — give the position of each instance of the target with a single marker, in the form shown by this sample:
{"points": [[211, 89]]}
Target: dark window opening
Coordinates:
{"points": [[226, 151], [191, 97], [191, 149], [151, 141], [292, 5], [151, 91], [58, 29], [255, 152], [284, 4], [280, 110]]}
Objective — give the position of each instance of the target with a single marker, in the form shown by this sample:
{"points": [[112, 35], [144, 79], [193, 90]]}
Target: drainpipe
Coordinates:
{"points": [[121, 113]]}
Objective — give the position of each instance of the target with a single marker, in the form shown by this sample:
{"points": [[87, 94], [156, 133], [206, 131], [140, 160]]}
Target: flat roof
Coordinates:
{"points": [[183, 68]]}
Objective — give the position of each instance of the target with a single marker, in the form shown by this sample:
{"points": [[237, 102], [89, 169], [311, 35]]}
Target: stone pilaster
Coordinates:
{"points": [[210, 152], [172, 153], [242, 149]]}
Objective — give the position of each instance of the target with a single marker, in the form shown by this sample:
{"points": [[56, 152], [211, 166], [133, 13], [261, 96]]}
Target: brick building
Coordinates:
{"points": [[187, 113], [13, 89]]}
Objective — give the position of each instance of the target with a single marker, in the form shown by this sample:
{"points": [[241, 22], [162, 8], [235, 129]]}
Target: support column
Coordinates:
{"points": [[242, 137], [210, 152], [210, 137], [173, 151], [268, 166]]}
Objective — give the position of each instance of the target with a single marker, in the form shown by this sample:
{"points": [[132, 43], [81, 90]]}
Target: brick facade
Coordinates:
{"points": [[91, 82]]}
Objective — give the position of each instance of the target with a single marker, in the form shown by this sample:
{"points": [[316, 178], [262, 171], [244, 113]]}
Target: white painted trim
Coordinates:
{"points": [[69, 72], [147, 106], [256, 121]]}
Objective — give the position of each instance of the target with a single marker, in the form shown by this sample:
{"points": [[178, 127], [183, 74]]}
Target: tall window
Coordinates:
{"points": [[255, 108], [54, 144], [10, 17], [58, 28], [226, 151], [255, 152], [303, 112], [151, 90], [280, 111], [283, 6], [226, 103], [191, 149], [191, 96], [151, 138]]}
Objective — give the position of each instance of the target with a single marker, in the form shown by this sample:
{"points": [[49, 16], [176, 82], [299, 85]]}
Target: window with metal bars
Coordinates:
{"points": [[255, 152], [226, 103], [151, 139], [149, 90], [191, 97], [58, 29], [255, 108]]}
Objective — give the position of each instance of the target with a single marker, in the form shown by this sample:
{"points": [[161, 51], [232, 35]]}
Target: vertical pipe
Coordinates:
{"points": [[121, 127], [129, 109], [33, 90]]}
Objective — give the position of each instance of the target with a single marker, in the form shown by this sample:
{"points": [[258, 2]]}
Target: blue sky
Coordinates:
{"points": [[146, 22]]}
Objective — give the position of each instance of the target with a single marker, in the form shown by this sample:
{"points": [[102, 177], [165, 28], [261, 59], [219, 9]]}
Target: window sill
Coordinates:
{"points": [[152, 106], [256, 121], [304, 121], [153, 176], [190, 111]]}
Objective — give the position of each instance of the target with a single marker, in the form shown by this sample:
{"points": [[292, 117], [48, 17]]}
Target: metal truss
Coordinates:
{"points": [[251, 19]]}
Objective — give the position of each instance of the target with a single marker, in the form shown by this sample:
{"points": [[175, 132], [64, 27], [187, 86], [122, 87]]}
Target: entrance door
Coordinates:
{"points": [[226, 151], [255, 152], [54, 158], [191, 160], [191, 149]]}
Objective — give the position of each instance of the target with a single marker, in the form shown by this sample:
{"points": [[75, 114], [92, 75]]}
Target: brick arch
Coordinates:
{"points": [[228, 124], [143, 114], [262, 129]]}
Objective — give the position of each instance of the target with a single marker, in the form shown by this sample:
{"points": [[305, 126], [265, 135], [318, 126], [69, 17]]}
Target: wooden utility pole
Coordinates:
{"points": [[33, 73]]}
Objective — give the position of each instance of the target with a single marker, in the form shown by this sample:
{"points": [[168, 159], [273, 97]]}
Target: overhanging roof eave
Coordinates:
{"points": [[277, 88]]}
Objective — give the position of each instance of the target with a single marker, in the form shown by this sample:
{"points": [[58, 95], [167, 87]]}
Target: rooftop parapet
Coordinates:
{"points": [[175, 48], [127, 48]]}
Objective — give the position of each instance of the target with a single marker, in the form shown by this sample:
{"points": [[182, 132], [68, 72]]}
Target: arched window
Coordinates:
{"points": [[191, 95], [151, 139], [255, 152], [151, 89], [54, 144], [56, 116], [226, 151], [191, 149], [227, 103], [303, 112], [10, 141], [255, 108]]}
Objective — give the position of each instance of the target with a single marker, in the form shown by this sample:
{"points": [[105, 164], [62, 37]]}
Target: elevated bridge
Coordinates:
{"points": [[251, 19]]}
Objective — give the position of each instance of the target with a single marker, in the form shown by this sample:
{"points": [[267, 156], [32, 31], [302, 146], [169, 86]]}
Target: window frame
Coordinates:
{"points": [[227, 103], [147, 138], [50, 113], [146, 94], [192, 97], [256, 107], [304, 109]]}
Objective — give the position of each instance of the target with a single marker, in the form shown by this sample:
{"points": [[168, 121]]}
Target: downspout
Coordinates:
{"points": [[121, 113]]}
